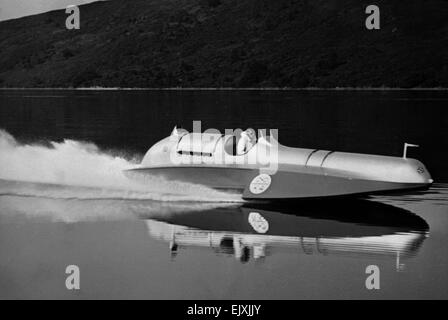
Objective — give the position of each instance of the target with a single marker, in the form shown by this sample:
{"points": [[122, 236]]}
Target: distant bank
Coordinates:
{"points": [[229, 44], [223, 89]]}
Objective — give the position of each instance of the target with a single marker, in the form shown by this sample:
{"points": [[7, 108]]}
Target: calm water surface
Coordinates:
{"points": [[63, 199]]}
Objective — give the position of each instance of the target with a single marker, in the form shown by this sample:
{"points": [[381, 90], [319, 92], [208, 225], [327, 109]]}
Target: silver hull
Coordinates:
{"points": [[270, 170], [284, 185]]}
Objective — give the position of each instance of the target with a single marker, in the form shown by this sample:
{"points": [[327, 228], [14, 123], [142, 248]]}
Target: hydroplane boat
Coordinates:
{"points": [[271, 171]]}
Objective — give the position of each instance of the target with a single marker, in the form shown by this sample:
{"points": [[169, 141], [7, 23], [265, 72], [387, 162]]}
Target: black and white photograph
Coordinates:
{"points": [[223, 152]]}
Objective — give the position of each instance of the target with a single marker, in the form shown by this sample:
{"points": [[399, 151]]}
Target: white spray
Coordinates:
{"points": [[76, 169]]}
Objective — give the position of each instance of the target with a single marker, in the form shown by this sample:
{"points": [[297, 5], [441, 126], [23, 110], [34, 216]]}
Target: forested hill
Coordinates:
{"points": [[230, 43]]}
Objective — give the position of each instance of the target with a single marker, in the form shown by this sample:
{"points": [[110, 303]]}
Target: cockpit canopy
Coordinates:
{"points": [[203, 144]]}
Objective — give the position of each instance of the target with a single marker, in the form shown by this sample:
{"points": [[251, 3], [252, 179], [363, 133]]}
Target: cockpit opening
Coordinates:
{"points": [[230, 145], [241, 143]]}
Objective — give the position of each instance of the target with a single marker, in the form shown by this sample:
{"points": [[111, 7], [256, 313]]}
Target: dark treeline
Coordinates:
{"points": [[229, 43]]}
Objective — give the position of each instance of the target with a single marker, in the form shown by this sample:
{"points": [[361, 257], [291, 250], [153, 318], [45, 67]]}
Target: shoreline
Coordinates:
{"points": [[228, 89]]}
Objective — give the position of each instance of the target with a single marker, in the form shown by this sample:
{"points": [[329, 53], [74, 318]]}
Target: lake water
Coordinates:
{"points": [[64, 201]]}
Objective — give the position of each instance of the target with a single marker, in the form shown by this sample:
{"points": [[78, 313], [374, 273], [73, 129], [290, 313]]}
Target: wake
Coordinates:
{"points": [[80, 170]]}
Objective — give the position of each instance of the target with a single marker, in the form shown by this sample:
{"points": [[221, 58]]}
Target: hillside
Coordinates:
{"points": [[229, 43]]}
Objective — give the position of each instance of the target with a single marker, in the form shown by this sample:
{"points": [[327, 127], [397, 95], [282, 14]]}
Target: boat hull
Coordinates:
{"points": [[284, 184]]}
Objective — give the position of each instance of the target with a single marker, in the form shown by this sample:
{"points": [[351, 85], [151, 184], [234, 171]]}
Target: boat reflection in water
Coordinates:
{"points": [[360, 228]]}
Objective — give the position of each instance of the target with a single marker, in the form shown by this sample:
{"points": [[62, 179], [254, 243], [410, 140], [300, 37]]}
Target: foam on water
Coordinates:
{"points": [[74, 169], [88, 210]]}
